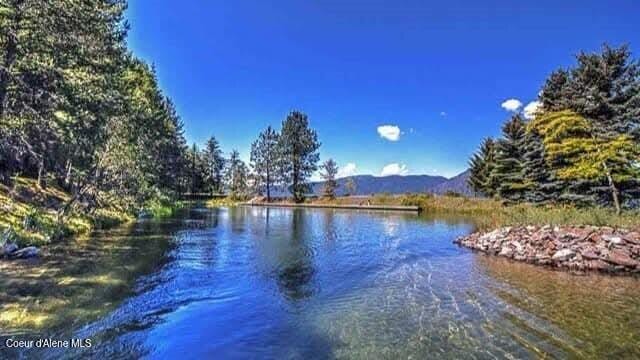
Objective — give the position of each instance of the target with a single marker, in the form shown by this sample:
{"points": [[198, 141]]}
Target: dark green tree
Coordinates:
{"points": [[236, 176], [541, 183], [214, 163], [264, 160], [508, 169], [299, 156], [480, 168]]}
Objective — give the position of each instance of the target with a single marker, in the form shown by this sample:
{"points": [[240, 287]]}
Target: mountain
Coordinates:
{"points": [[396, 184]]}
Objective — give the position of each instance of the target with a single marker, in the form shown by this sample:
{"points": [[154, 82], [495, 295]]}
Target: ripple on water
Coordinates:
{"points": [[284, 283]]}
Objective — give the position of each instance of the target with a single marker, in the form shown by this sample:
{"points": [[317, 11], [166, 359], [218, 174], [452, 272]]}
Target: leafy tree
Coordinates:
{"points": [[214, 163], [480, 167], [508, 168], [329, 171], [236, 176], [586, 152], [264, 160], [299, 156]]}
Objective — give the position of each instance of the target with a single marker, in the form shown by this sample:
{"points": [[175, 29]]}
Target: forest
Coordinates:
{"points": [[580, 146], [79, 111]]}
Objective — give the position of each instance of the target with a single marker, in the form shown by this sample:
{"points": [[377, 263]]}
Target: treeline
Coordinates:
{"points": [[79, 110], [582, 144], [283, 159]]}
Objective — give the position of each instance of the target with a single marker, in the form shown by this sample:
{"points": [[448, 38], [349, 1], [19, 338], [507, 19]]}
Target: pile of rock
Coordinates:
{"points": [[575, 247]]}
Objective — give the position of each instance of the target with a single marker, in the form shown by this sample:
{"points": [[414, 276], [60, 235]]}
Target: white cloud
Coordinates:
{"points": [[511, 105], [394, 169], [389, 132], [443, 113], [347, 170], [531, 109]]}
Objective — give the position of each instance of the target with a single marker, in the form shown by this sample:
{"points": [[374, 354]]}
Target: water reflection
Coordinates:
{"points": [[293, 283]]}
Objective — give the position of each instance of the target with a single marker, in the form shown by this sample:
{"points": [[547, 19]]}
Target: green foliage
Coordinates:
{"points": [[264, 160], [582, 148], [585, 152], [481, 167], [236, 177], [329, 172], [299, 156], [509, 154], [214, 164]]}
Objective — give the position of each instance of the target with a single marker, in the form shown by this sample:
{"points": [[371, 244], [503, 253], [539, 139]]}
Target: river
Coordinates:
{"points": [[274, 283]]}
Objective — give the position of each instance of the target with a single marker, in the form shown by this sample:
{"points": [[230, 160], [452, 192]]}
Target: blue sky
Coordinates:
{"points": [[438, 72]]}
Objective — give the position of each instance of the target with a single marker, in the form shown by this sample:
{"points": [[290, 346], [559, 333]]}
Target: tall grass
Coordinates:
{"points": [[488, 213]]}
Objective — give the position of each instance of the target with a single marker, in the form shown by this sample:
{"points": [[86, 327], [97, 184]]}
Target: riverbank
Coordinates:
{"points": [[28, 215], [486, 214], [581, 248]]}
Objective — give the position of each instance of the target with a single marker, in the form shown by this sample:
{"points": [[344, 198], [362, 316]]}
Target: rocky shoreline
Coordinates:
{"points": [[579, 248]]}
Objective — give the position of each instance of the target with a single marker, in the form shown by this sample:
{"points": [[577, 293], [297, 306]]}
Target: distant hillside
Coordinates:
{"points": [[395, 184]]}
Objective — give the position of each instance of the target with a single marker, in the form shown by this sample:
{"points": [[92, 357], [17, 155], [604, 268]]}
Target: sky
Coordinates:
{"points": [[391, 87]]}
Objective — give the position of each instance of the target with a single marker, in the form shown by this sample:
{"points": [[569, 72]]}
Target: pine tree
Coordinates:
{"points": [[480, 167], [264, 160], [329, 171], [214, 163], [236, 176], [299, 156], [604, 87], [587, 153], [507, 171], [541, 185]]}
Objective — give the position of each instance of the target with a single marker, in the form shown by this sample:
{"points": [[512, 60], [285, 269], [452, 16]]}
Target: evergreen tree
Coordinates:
{"points": [[236, 176], [214, 163], [299, 156], [587, 153], [264, 160], [480, 167], [541, 185], [604, 87], [329, 171], [508, 170]]}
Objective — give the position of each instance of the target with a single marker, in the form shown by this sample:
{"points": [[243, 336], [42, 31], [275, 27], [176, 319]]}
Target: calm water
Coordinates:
{"points": [[317, 284]]}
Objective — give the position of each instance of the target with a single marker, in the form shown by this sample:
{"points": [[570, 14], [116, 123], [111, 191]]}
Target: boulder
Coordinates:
{"points": [[564, 254], [615, 240], [7, 249], [620, 257], [25, 253]]}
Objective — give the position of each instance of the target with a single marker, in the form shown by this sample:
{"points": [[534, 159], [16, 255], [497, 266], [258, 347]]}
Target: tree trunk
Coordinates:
{"points": [[67, 176], [268, 187], [614, 190], [40, 181]]}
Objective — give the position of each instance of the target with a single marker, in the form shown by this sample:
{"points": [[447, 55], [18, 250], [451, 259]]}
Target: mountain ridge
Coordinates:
{"points": [[400, 184]]}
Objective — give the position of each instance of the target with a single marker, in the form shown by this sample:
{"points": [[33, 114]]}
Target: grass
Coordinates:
{"points": [[488, 214], [28, 215]]}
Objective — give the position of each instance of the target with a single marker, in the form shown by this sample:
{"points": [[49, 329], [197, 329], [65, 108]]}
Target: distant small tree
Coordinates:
{"points": [[329, 171], [264, 160], [236, 176], [350, 186]]}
